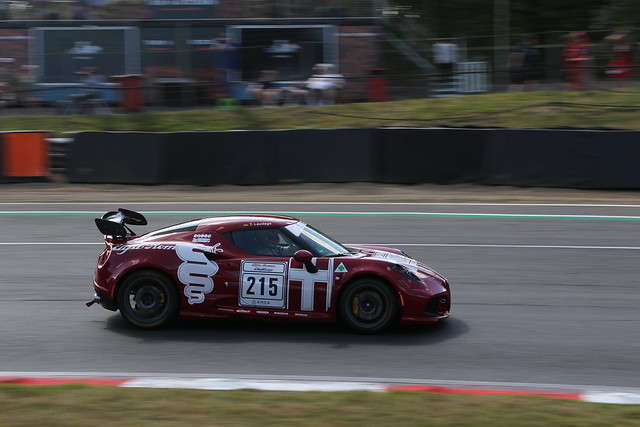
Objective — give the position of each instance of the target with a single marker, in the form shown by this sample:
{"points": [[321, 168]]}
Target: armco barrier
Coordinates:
{"points": [[545, 158], [24, 156], [119, 158], [442, 156], [211, 158], [316, 155], [564, 158]]}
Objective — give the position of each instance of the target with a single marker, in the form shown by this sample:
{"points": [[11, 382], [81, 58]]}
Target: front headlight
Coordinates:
{"points": [[401, 269]]}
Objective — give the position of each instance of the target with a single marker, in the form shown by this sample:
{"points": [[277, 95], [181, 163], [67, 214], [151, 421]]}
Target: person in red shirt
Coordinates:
{"points": [[576, 59], [620, 66]]}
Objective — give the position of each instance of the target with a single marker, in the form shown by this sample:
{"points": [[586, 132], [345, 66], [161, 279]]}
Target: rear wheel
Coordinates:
{"points": [[368, 306], [148, 299]]}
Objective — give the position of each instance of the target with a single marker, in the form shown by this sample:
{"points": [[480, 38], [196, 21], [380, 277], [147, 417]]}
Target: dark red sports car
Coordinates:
{"points": [[260, 266]]}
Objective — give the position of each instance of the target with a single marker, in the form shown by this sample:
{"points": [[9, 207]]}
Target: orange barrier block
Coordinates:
{"points": [[25, 154]]}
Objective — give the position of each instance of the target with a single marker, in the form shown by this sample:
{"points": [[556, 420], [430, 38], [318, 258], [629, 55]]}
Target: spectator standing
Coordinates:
{"points": [[81, 10], [324, 84], [620, 66], [27, 89], [576, 59], [445, 56], [524, 63], [225, 60]]}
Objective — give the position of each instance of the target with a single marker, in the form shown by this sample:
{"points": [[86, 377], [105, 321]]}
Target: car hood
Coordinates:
{"points": [[393, 255], [384, 253]]}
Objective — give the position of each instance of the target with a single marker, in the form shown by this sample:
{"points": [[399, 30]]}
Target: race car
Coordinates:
{"points": [[259, 266]]}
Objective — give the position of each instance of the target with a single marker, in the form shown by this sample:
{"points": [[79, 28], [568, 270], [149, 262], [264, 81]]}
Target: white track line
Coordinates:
{"points": [[463, 215], [595, 205], [416, 245], [50, 243]]}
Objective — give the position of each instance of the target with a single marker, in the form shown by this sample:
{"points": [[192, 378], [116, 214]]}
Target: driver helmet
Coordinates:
{"points": [[268, 238]]}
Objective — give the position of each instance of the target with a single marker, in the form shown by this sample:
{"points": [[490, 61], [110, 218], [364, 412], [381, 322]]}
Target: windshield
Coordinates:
{"points": [[317, 243]]}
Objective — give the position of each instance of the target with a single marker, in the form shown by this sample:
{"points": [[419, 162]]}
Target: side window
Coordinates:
{"points": [[264, 242]]}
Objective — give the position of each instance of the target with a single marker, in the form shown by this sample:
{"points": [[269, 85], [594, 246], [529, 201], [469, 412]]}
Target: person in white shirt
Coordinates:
{"points": [[324, 84]]}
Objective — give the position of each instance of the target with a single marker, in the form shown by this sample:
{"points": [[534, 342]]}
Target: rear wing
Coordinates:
{"points": [[113, 223]]}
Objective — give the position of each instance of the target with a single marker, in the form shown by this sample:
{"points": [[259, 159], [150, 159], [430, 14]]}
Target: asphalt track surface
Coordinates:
{"points": [[542, 293]]}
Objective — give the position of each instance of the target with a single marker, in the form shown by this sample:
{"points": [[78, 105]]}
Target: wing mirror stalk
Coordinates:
{"points": [[305, 257]]}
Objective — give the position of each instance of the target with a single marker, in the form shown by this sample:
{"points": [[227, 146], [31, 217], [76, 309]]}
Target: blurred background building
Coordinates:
{"points": [[199, 50]]}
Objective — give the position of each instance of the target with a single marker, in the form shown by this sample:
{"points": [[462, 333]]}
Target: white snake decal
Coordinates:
{"points": [[196, 271]]}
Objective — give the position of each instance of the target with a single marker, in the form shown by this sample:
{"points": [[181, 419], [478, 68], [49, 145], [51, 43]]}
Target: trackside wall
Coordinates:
{"points": [[541, 158]]}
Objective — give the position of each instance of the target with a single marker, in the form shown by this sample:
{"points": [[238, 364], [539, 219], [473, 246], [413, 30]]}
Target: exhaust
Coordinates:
{"points": [[96, 299]]}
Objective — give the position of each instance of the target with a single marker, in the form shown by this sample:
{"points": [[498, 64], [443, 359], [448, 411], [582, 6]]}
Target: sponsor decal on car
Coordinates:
{"points": [[341, 269], [196, 271], [202, 238], [398, 259], [121, 249]]}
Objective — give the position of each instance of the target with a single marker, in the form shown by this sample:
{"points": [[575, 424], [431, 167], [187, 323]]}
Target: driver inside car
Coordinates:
{"points": [[265, 242], [268, 243]]}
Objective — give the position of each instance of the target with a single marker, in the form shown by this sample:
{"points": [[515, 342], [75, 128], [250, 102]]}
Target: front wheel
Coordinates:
{"points": [[148, 300], [368, 306]]}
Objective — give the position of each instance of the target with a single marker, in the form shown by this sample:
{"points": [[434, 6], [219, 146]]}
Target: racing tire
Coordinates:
{"points": [[148, 299], [368, 306]]}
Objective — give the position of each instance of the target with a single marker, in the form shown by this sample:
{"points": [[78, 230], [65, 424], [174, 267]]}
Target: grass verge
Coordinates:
{"points": [[80, 405], [611, 109]]}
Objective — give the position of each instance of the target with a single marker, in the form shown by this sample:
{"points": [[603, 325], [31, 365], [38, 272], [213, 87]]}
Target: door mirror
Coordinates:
{"points": [[305, 257]]}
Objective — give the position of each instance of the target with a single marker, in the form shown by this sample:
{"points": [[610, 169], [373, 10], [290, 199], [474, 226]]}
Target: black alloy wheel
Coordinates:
{"points": [[368, 306], [148, 299]]}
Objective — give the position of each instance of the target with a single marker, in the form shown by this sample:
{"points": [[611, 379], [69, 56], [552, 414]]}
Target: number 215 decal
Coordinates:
{"points": [[262, 284]]}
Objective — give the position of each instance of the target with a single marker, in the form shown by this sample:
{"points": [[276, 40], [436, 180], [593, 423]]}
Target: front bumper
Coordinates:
{"points": [[428, 303]]}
